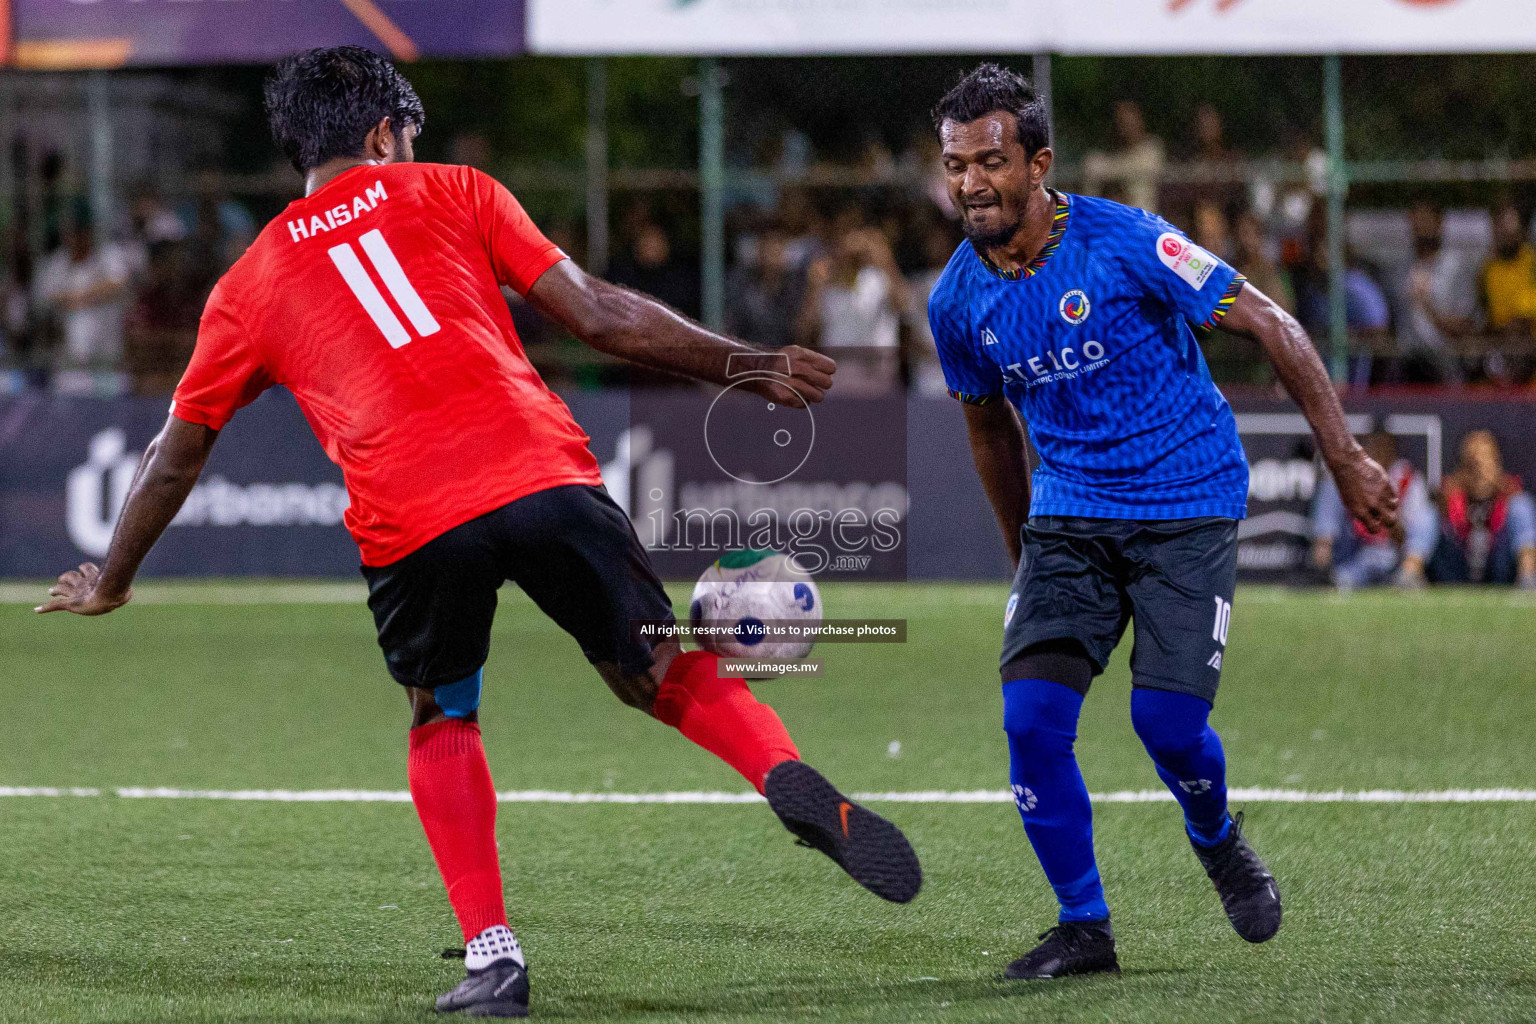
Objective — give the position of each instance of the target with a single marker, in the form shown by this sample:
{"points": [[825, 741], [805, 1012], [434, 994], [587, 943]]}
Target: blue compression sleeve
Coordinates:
{"points": [[1189, 758], [1040, 718]]}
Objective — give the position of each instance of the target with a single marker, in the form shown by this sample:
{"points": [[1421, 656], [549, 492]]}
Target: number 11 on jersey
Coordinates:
{"points": [[372, 300]]}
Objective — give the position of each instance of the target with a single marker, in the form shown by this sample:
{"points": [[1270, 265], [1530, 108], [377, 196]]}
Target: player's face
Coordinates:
{"points": [[990, 176]]}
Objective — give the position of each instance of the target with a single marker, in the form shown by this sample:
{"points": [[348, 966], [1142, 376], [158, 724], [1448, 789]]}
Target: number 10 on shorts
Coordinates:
{"points": [[1223, 621], [393, 275]]}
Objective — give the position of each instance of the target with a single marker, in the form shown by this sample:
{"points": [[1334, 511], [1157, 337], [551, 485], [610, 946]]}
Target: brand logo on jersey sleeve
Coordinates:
{"points": [[1191, 263], [1075, 307], [987, 337]]}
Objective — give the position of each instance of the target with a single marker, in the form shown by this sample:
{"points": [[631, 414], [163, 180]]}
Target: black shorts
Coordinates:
{"points": [[1085, 579], [571, 549]]}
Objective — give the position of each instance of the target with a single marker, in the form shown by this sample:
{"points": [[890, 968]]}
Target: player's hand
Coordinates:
{"points": [[810, 377], [1367, 491], [77, 591]]}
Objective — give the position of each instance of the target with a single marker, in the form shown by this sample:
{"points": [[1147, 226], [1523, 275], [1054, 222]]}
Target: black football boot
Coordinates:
{"points": [[1247, 889], [1072, 947], [872, 850]]}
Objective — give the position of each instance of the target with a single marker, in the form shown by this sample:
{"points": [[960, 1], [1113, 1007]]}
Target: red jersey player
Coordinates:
{"points": [[376, 300]]}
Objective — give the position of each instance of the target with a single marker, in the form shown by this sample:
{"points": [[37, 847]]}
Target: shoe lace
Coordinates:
{"points": [[1059, 933]]}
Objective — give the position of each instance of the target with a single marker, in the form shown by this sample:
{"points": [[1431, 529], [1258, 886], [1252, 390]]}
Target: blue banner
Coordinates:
{"points": [[270, 503]]}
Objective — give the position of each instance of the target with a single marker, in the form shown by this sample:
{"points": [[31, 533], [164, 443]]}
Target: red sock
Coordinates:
{"points": [[723, 717], [451, 787]]}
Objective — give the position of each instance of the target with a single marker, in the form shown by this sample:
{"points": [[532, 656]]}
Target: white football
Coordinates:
{"points": [[744, 590]]}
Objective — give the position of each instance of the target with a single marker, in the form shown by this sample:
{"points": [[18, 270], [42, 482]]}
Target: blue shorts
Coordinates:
{"points": [[1087, 579]]}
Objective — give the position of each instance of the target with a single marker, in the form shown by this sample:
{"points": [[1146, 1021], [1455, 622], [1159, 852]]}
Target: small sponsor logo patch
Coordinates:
{"points": [[987, 337], [1215, 661], [1025, 798], [1075, 307], [1191, 263], [1013, 606]]}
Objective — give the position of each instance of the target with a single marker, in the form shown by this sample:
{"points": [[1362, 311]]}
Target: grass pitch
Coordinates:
{"points": [[170, 910]]}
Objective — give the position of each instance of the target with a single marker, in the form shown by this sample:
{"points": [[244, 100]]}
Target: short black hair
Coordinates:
{"points": [[991, 88], [322, 103]]}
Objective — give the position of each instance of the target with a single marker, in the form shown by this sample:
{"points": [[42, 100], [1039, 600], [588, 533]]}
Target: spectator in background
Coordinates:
{"points": [[648, 266], [16, 310], [763, 295], [1211, 138], [150, 222], [1253, 259], [1509, 277], [1133, 173], [1213, 232], [1221, 180], [222, 229], [923, 163], [1367, 313], [853, 302], [804, 226], [1353, 555], [1489, 533], [927, 376], [161, 325], [84, 286], [1442, 296]]}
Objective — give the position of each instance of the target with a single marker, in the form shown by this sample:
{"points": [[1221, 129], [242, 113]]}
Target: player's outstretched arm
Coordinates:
{"points": [[165, 477], [998, 449], [636, 327], [1367, 491]]}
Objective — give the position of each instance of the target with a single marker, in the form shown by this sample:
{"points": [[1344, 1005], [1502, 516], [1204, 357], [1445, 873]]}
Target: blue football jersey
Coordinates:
{"points": [[1095, 343]]}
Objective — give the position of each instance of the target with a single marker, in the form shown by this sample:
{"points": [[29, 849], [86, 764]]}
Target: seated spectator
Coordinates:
{"points": [[648, 267], [1211, 137], [853, 302], [85, 287], [1253, 259], [161, 326], [1509, 277], [1220, 167], [1355, 556], [1489, 532], [762, 296], [1441, 299], [1132, 174], [1367, 312], [1213, 232], [927, 376]]}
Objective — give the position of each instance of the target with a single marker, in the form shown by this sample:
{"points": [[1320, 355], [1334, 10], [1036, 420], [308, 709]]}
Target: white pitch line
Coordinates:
{"points": [[932, 796], [277, 796], [299, 593]]}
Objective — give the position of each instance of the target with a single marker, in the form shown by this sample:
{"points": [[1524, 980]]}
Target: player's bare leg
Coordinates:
{"points": [[456, 801], [685, 691]]}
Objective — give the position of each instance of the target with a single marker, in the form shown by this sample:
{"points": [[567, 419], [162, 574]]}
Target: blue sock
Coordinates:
{"points": [[1040, 718], [1188, 756]]}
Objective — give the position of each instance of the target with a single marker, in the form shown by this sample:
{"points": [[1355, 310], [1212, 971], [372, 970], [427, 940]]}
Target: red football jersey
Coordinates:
{"points": [[377, 301]]}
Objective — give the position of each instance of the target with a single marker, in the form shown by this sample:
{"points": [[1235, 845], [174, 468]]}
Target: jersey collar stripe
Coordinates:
{"points": [[1052, 243]]}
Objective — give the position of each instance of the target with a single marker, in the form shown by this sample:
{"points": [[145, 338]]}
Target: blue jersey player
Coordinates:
{"points": [[1084, 316]]}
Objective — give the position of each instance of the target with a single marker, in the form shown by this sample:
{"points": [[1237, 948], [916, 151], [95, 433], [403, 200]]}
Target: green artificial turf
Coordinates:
{"points": [[146, 910]]}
